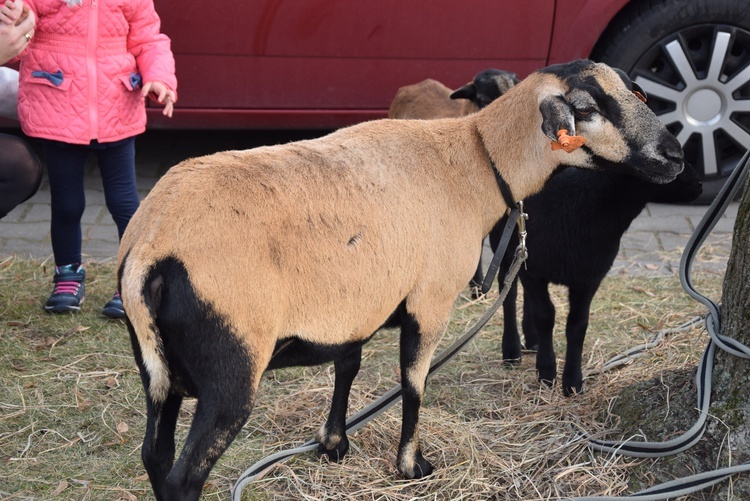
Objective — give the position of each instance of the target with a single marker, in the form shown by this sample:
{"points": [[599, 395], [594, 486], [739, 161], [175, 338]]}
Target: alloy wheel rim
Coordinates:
{"points": [[698, 84]]}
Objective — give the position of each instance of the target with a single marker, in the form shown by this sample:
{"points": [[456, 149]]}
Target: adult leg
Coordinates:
{"points": [[20, 173]]}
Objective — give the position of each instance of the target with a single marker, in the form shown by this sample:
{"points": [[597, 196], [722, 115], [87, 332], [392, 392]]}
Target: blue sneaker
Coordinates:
{"points": [[69, 290], [114, 309]]}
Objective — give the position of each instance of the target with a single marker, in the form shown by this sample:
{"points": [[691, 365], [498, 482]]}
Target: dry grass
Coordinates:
{"points": [[72, 407]]}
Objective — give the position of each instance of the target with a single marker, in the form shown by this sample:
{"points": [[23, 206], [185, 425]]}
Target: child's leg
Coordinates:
{"points": [[65, 169], [20, 172], [117, 166]]}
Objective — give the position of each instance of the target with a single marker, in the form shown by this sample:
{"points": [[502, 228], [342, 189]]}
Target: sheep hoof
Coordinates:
{"points": [[549, 383], [511, 363], [570, 391], [419, 469], [337, 453], [533, 347]]}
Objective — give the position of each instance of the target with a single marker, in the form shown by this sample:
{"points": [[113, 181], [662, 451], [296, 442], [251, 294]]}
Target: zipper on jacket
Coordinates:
{"points": [[91, 65]]}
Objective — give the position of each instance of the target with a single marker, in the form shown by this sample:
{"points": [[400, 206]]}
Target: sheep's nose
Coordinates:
{"points": [[670, 149]]}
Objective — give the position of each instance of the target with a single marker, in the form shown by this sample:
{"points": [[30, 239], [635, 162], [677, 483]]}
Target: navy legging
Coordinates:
{"points": [[20, 172], [65, 169]]}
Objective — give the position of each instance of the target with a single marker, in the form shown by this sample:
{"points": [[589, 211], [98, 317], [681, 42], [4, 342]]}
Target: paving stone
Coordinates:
{"points": [[36, 212], [673, 223]]}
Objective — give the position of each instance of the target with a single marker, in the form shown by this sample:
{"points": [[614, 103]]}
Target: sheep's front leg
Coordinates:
{"points": [[417, 346], [332, 435], [511, 339], [528, 323], [575, 332]]}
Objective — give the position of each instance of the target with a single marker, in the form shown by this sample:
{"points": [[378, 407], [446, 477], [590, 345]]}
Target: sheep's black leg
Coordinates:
{"points": [[417, 347], [157, 452], [528, 324], [218, 418], [158, 448], [476, 281], [511, 339], [536, 296], [222, 378], [332, 435], [575, 332]]}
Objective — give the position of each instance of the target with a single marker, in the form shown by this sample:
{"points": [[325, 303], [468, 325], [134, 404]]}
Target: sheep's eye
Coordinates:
{"points": [[586, 112]]}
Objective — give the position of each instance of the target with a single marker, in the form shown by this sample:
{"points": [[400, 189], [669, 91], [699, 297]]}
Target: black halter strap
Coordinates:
{"points": [[515, 212]]}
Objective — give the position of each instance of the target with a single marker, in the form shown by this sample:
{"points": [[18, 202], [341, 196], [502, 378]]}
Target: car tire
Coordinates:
{"points": [[692, 58]]}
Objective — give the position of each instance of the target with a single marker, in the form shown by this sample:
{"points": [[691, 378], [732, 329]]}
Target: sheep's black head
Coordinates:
{"points": [[487, 86], [604, 107]]}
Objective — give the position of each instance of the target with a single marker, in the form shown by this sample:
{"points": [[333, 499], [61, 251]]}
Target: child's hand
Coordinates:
{"points": [[160, 93], [11, 11]]}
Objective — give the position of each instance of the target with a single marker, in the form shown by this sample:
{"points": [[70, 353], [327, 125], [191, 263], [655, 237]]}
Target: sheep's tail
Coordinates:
{"points": [[141, 301]]}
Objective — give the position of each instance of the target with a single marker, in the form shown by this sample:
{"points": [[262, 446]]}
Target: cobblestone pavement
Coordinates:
{"points": [[653, 244]]}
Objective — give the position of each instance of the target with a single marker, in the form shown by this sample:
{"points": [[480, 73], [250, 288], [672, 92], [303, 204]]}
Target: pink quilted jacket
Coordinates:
{"points": [[80, 76]]}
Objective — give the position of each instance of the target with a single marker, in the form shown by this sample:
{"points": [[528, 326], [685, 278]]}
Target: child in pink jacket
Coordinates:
{"points": [[83, 81]]}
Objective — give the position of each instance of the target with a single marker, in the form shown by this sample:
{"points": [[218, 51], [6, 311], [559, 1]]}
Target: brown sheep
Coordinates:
{"points": [[297, 254], [431, 99]]}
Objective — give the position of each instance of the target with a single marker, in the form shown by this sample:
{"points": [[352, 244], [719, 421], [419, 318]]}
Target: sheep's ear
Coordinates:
{"points": [[557, 114], [634, 87], [468, 91]]}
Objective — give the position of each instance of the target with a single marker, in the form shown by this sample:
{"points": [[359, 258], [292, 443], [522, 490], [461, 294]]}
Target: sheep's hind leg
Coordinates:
{"points": [[332, 435], [537, 299], [216, 423], [158, 448], [224, 380]]}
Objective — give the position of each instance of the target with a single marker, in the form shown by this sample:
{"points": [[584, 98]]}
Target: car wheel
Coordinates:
{"points": [[693, 60]]}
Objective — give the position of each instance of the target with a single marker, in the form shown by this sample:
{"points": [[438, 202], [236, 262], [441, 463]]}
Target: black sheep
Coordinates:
{"points": [[574, 229]]}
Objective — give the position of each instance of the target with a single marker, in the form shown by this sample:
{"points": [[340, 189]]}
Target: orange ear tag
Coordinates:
{"points": [[566, 142]]}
